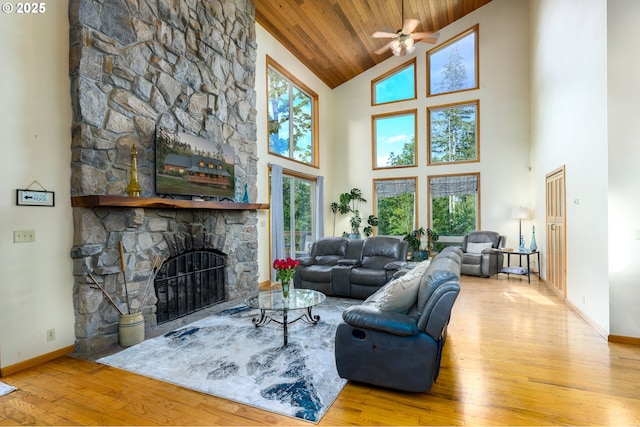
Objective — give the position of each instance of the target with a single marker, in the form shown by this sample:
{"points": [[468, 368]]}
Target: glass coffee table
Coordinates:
{"points": [[273, 302]]}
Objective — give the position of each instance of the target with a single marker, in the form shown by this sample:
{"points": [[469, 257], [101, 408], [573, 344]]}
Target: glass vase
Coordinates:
{"points": [[285, 289]]}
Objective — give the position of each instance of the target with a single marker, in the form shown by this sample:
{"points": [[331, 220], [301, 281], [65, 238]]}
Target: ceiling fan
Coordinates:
{"points": [[404, 39]]}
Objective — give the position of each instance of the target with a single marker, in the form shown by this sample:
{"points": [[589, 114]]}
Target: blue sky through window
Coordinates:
{"points": [[392, 133], [396, 87]]}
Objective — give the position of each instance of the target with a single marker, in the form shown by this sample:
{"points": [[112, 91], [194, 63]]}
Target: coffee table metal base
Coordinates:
{"points": [[265, 318]]}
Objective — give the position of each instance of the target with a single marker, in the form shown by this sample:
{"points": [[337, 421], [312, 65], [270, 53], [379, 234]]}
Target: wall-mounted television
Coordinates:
{"points": [[192, 166]]}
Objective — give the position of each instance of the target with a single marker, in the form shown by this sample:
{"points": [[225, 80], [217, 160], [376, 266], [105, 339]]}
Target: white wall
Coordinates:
{"points": [[569, 127], [267, 45], [623, 45], [35, 106], [504, 118]]}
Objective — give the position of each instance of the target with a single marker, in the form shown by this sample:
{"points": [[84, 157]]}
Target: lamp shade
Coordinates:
{"points": [[520, 213]]}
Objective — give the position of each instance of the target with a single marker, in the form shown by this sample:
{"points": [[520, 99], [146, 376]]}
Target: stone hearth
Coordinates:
{"points": [[187, 65]]}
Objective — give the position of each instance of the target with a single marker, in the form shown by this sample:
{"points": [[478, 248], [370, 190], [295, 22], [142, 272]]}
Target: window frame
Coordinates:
{"points": [[454, 239], [390, 74], [374, 142], [287, 173], [476, 104], [298, 84], [415, 200], [476, 51]]}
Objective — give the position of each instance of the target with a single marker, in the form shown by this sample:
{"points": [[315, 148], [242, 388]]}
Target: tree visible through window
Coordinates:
{"points": [[453, 66], [394, 139], [292, 116], [454, 204], [298, 207], [453, 133], [395, 201]]}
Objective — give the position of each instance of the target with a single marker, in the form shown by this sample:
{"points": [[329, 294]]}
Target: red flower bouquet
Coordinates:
{"points": [[285, 270]]}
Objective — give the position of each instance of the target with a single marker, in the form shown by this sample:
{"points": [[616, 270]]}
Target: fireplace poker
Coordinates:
{"points": [[155, 267], [105, 294], [124, 276]]}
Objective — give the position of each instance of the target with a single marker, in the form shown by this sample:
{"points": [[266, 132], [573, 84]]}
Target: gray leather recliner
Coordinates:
{"points": [[486, 263], [401, 351]]}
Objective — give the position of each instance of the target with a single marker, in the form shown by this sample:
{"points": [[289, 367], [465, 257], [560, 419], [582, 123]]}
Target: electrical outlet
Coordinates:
{"points": [[24, 236], [51, 334]]}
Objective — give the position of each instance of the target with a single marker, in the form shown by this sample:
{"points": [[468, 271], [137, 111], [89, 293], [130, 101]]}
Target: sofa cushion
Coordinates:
{"points": [[376, 262], [398, 295], [316, 273], [477, 248], [367, 276], [330, 246], [471, 259], [327, 259]]}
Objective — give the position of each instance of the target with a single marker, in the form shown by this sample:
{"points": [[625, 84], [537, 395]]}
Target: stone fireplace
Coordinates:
{"points": [[134, 65]]}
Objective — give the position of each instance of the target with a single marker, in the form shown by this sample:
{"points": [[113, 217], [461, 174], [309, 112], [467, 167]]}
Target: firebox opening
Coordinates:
{"points": [[189, 282]]}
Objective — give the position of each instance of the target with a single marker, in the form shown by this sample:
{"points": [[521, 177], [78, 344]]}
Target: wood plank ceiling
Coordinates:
{"points": [[333, 37]]}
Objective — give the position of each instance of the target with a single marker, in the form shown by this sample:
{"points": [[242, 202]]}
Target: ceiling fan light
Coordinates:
{"points": [[409, 45], [396, 47]]}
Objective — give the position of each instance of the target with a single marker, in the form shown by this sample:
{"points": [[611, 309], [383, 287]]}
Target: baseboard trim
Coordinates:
{"points": [[604, 334], [621, 339], [21, 366]]}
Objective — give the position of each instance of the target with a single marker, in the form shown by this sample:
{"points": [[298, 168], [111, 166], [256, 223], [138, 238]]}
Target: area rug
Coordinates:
{"points": [[5, 389], [225, 355]]}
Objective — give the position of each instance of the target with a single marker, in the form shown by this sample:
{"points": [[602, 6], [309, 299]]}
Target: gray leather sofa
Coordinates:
{"points": [[350, 268], [480, 257], [401, 350]]}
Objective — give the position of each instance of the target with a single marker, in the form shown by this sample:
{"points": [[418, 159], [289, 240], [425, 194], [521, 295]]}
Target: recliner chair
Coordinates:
{"points": [[396, 350], [480, 257]]}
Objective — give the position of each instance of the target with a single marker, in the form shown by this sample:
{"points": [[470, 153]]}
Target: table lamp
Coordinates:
{"points": [[520, 213]]}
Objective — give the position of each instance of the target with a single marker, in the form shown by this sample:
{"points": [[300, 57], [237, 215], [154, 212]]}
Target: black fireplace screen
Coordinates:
{"points": [[189, 282]]}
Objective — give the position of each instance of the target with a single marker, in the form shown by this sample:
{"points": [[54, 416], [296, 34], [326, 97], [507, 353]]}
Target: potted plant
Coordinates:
{"points": [[414, 241], [432, 236], [349, 203]]}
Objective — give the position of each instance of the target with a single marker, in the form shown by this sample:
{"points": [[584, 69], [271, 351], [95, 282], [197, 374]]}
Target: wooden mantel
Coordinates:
{"points": [[100, 201]]}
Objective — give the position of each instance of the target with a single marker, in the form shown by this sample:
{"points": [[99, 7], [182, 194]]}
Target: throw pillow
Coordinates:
{"points": [[398, 295], [421, 267], [477, 248]]}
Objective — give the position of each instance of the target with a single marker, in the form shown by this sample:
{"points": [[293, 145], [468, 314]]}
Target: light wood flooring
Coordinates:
{"points": [[515, 355]]}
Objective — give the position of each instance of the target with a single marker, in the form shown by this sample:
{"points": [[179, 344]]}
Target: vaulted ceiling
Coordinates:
{"points": [[333, 37]]}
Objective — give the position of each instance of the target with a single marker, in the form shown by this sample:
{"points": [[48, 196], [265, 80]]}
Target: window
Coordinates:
{"points": [[394, 139], [395, 202], [292, 116], [453, 66], [398, 84], [298, 206], [453, 135], [454, 204]]}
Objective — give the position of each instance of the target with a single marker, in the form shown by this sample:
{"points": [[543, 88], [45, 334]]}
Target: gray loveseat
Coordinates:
{"points": [[380, 344], [340, 267]]}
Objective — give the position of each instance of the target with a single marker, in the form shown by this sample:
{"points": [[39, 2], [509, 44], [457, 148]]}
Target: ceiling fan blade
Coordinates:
{"points": [[409, 25], [383, 49], [383, 35], [430, 38]]}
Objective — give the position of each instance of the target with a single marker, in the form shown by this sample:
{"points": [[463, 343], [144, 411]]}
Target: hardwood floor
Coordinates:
{"points": [[516, 355]]}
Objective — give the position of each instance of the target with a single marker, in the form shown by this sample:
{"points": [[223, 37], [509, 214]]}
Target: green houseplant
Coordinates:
{"points": [[349, 203], [414, 241]]}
